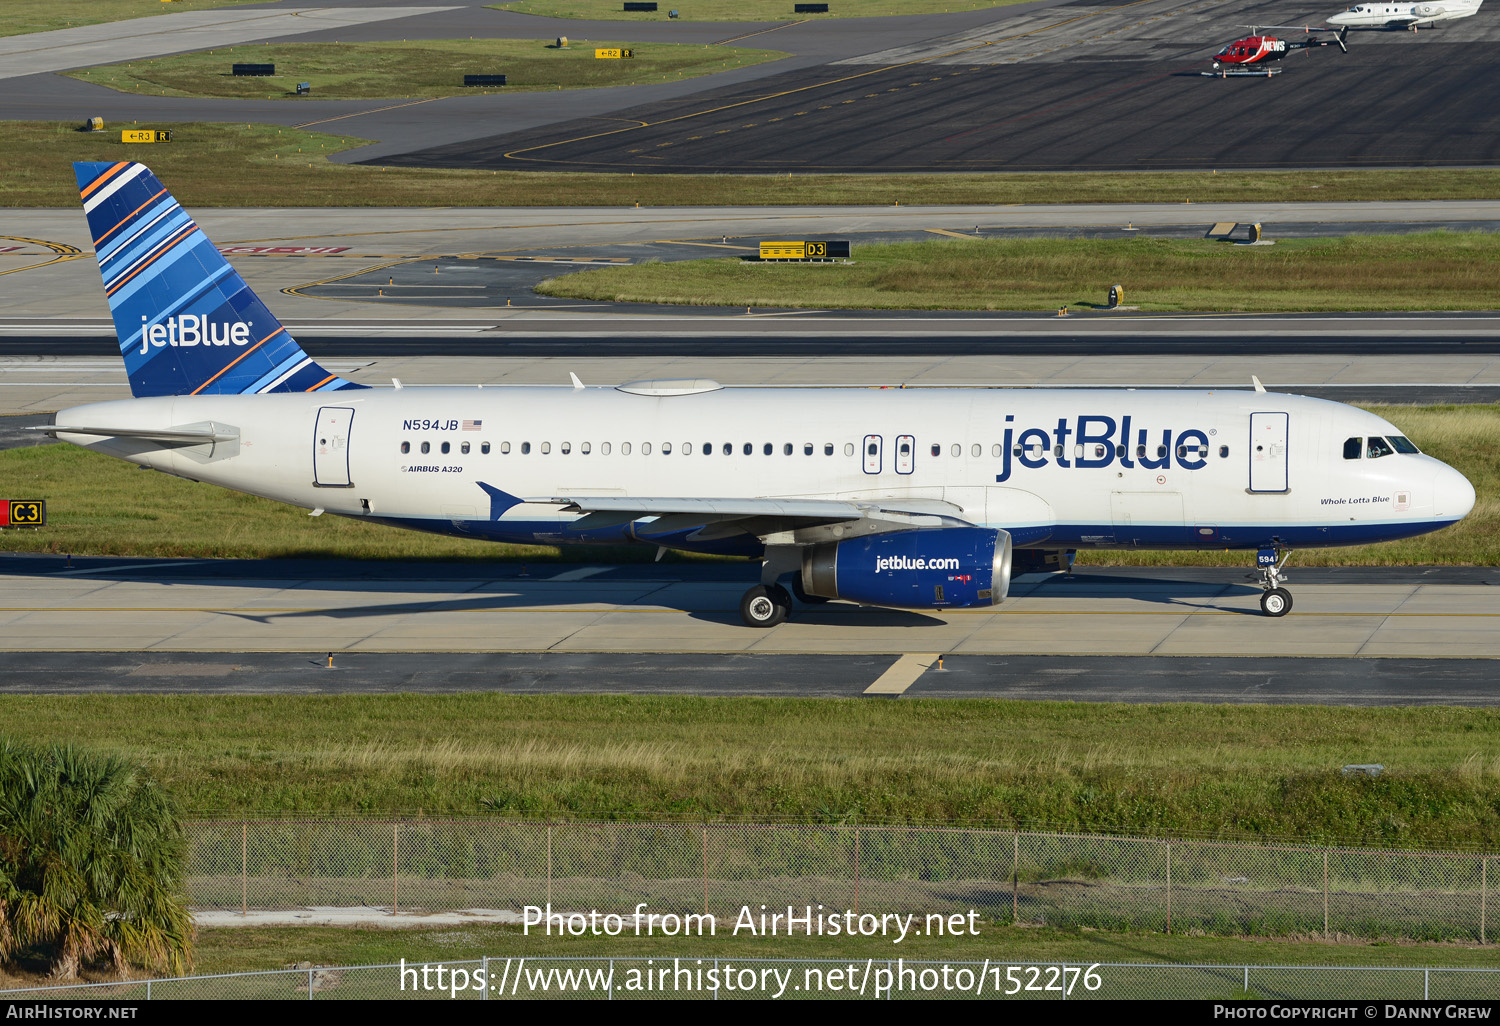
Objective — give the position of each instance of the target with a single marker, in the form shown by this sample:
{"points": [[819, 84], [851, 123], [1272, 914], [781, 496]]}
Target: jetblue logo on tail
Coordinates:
{"points": [[192, 330]]}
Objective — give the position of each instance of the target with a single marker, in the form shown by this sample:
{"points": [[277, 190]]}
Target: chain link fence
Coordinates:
{"points": [[718, 868], [725, 978]]}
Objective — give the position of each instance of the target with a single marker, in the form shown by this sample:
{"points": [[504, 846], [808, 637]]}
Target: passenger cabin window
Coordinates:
{"points": [[565, 448], [1352, 447], [645, 448], [937, 450], [786, 449], [768, 449], [446, 447], [1223, 452], [464, 448], [603, 448], [748, 449], [666, 448], [426, 448], [1377, 447], [484, 447], [583, 448], [995, 450], [406, 447], [624, 448], [956, 449], [827, 448], [849, 449], [807, 448], [525, 448], [546, 448]]}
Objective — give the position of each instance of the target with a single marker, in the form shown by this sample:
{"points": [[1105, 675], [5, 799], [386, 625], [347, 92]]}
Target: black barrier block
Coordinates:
{"points": [[838, 249], [640, 7], [809, 8], [253, 70], [484, 80]]}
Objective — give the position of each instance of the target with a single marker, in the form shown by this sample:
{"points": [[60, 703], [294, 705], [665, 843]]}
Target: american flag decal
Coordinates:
{"points": [[473, 425]]}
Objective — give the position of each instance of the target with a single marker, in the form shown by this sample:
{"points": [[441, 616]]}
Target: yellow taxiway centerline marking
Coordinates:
{"points": [[903, 673]]}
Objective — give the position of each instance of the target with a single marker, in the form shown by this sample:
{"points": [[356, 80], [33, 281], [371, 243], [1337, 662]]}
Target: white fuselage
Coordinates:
{"points": [[1403, 15], [1155, 469]]}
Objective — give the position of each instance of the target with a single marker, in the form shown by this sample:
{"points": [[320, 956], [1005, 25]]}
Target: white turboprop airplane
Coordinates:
{"points": [[918, 498], [1407, 16]]}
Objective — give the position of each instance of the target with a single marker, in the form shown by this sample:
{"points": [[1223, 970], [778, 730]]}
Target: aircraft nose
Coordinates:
{"points": [[1452, 494]]}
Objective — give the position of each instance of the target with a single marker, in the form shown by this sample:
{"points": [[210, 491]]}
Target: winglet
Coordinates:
{"points": [[1256, 381]]}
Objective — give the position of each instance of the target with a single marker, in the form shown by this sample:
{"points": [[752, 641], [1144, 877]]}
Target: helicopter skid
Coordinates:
{"points": [[1241, 73]]}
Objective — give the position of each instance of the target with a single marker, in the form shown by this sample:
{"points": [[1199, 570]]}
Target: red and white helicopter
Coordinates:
{"points": [[1255, 53]]}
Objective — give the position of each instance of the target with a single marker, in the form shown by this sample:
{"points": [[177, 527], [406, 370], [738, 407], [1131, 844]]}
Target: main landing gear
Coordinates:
{"points": [[1275, 600], [765, 605], [768, 603]]}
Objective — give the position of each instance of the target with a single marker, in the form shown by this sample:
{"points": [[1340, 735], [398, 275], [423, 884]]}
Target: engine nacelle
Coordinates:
{"points": [[927, 568]]}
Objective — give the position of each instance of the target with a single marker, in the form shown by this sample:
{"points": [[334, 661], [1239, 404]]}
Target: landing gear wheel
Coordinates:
{"points": [[1276, 602], [803, 596], [765, 606]]}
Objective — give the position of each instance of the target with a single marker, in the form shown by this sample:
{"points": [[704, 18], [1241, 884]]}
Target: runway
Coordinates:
{"points": [[1271, 681], [1169, 634]]}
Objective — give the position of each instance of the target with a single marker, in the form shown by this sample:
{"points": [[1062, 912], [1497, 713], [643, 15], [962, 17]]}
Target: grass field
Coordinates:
{"points": [[1427, 271], [741, 10], [23, 16], [225, 165], [426, 68], [1226, 771], [98, 505], [239, 949], [247, 949]]}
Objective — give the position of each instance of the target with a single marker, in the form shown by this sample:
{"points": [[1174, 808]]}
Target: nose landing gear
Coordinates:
{"points": [[1276, 600]]}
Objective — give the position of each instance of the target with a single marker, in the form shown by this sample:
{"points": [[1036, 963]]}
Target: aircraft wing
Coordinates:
{"points": [[723, 517]]}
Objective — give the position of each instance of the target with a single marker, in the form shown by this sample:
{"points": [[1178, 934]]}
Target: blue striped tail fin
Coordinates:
{"points": [[187, 322]]}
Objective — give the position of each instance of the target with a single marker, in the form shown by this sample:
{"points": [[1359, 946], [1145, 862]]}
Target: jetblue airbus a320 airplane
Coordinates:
{"points": [[919, 499]]}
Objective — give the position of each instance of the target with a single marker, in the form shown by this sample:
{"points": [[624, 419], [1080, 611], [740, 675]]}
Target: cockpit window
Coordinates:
{"points": [[1377, 447], [1352, 447], [1403, 444]]}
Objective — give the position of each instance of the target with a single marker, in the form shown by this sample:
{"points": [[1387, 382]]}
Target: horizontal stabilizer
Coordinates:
{"points": [[190, 435]]}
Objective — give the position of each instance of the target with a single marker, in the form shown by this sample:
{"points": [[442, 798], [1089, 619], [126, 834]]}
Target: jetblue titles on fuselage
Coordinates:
{"points": [[1099, 441]]}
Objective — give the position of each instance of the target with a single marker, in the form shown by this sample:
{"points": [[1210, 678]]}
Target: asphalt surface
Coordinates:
{"points": [[1270, 680], [1059, 86], [806, 344], [1420, 106]]}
